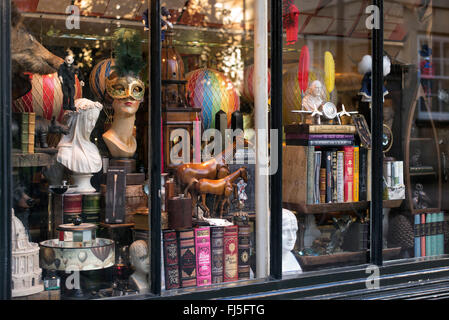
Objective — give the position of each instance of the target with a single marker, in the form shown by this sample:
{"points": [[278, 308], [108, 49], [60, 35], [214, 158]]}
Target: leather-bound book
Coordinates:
{"points": [[187, 258], [230, 247], [216, 243], [24, 131], [171, 259], [244, 250], [203, 258]]}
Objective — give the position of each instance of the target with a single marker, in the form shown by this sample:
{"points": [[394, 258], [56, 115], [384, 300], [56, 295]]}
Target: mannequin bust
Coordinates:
{"points": [[75, 150], [140, 260], [289, 229]]}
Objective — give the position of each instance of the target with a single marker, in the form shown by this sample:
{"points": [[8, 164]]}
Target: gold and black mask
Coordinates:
{"points": [[124, 87]]}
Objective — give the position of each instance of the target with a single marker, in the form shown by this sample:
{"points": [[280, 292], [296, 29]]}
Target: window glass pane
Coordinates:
{"points": [[80, 127], [326, 116], [416, 111]]}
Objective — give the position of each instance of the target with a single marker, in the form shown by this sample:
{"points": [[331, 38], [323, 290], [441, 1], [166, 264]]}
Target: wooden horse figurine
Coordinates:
{"points": [[222, 187]]}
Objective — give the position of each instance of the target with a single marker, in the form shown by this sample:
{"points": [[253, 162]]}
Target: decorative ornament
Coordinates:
{"points": [[303, 69], [247, 90], [329, 71], [82, 256], [290, 20], [329, 110], [343, 112]]}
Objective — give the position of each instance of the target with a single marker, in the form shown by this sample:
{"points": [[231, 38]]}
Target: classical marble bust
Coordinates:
{"points": [[140, 260], [289, 229], [315, 97]]}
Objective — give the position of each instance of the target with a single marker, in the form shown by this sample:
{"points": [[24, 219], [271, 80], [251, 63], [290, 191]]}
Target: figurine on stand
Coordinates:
{"points": [[66, 74], [140, 259], [75, 150], [289, 230], [313, 100], [127, 91]]}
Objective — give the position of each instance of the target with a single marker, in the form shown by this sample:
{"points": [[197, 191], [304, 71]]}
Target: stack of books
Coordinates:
{"points": [[205, 255], [27, 124], [429, 234]]}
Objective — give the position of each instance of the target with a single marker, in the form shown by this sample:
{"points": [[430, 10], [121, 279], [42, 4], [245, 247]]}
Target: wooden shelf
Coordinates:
{"points": [[421, 139], [427, 210], [338, 207], [23, 160], [420, 174], [392, 203], [313, 262]]}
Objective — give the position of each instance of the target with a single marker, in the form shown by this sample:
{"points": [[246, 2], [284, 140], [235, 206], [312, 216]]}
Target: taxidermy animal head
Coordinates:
{"points": [[28, 56]]}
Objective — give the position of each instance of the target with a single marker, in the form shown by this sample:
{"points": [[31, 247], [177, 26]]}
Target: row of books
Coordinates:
{"points": [[206, 255], [26, 122], [337, 174], [429, 234]]}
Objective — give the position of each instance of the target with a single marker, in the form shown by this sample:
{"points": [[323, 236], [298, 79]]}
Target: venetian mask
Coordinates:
{"points": [[124, 87]]}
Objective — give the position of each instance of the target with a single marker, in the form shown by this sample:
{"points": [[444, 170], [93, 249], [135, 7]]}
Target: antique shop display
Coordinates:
{"points": [[26, 274], [140, 260], [365, 68], [247, 89], [97, 79], [66, 75], [289, 230], [115, 195], [179, 210], [75, 150]]}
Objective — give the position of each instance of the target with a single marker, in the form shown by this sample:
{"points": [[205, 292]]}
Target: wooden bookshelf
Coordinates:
{"points": [[22, 160]]}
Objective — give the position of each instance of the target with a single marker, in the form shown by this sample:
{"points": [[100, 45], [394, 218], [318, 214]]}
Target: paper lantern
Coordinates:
{"points": [[97, 79], [45, 96], [211, 91], [247, 89]]}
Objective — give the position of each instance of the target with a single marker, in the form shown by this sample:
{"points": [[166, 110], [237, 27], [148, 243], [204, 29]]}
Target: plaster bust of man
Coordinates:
{"points": [[315, 97], [289, 229], [140, 260]]}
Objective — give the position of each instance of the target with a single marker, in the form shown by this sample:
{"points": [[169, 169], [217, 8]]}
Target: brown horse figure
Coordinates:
{"points": [[223, 187]]}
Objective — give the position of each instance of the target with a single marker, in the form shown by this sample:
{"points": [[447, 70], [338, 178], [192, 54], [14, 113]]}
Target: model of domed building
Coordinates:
{"points": [[26, 274]]}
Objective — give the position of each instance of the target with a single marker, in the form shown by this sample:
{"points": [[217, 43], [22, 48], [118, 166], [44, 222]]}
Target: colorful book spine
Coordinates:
{"points": [[355, 193], [310, 174], [440, 240], [171, 259], [323, 143], [230, 245], [320, 129], [340, 176], [203, 257], [423, 237], [322, 185], [434, 219], [348, 173], [24, 129], [31, 129], [305, 136], [428, 234], [417, 236], [334, 176], [363, 162], [244, 251], [368, 175], [329, 176], [317, 163], [216, 243], [187, 258]]}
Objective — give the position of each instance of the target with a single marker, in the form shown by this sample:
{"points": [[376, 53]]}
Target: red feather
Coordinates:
{"points": [[303, 69]]}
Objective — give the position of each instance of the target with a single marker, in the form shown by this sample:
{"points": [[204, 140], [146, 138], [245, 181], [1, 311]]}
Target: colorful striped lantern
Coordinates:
{"points": [[247, 89], [45, 97], [97, 79], [211, 91]]}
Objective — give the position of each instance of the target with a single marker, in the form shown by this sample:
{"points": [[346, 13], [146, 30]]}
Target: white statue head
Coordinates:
{"points": [[289, 229], [140, 256], [316, 88]]}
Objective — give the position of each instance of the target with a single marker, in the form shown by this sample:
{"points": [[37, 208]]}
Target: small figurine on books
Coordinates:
{"points": [[66, 74], [313, 100], [140, 260]]}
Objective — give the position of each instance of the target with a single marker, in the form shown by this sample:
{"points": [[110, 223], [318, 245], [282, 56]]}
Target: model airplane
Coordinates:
{"points": [[343, 112]]}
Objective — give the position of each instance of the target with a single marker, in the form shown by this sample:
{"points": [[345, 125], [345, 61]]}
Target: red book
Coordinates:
{"points": [[203, 257], [423, 237], [348, 173], [230, 241], [171, 261]]}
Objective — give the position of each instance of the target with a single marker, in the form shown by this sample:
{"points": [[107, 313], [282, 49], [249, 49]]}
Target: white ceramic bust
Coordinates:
{"points": [[289, 229], [315, 97], [75, 150], [140, 260]]}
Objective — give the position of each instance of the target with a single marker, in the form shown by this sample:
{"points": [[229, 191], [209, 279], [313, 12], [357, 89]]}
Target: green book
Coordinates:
{"points": [[429, 219]]}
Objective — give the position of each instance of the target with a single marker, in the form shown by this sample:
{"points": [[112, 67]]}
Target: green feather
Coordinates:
{"points": [[128, 52]]}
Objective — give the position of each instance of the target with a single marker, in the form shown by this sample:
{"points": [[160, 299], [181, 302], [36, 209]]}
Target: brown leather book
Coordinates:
{"points": [[230, 240], [244, 251], [217, 253], [171, 260], [187, 259]]}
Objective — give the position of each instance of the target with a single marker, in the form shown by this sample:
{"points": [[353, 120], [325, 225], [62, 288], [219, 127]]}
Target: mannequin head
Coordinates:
{"points": [[69, 57], [289, 229], [139, 256]]}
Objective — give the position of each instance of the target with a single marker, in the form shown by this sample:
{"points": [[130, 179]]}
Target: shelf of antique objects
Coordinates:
{"points": [[310, 262], [38, 159], [416, 174], [337, 207]]}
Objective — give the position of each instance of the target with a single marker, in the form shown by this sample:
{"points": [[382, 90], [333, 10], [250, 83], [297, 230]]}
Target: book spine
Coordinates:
{"points": [[244, 251], [24, 132], [368, 175], [348, 173], [216, 239], [31, 129], [362, 173], [310, 174], [331, 129], [230, 247], [417, 236], [423, 235], [305, 136], [434, 233], [334, 176], [318, 143], [316, 195], [329, 176], [340, 176], [441, 233], [355, 193], [203, 258], [428, 234], [322, 185], [171, 259], [187, 258]]}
